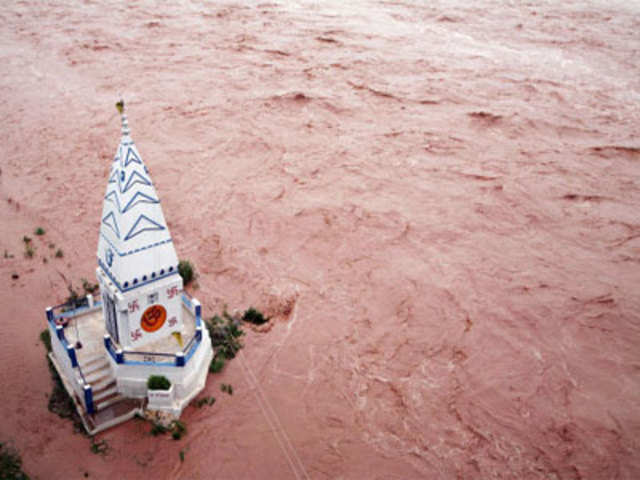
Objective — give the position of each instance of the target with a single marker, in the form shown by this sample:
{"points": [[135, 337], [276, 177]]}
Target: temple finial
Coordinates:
{"points": [[125, 123]]}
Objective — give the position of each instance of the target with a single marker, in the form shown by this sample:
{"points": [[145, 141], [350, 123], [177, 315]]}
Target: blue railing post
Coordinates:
{"points": [[50, 314], [197, 308], [88, 399], [179, 359], [72, 356], [107, 341], [60, 332], [198, 333], [119, 356]]}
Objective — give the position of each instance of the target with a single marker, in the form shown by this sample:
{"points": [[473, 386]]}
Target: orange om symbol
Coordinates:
{"points": [[153, 318]]}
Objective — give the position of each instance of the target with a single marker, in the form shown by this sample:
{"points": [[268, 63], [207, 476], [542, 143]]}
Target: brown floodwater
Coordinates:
{"points": [[437, 202]]}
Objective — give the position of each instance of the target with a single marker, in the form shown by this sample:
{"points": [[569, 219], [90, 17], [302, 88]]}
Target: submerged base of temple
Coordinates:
{"points": [[108, 384]]}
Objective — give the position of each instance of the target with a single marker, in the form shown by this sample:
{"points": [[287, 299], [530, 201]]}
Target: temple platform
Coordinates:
{"points": [[108, 383]]}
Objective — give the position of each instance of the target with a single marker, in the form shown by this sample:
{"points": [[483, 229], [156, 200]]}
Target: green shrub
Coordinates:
{"points": [[227, 388], [75, 300], [254, 316], [89, 287], [39, 231], [10, 464], [158, 429], [225, 334], [29, 251], [158, 382], [99, 448], [186, 271], [59, 253], [205, 401], [26, 239], [181, 454], [178, 429], [217, 364], [45, 338]]}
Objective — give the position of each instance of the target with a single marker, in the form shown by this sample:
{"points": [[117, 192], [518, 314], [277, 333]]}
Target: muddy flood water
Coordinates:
{"points": [[437, 202]]}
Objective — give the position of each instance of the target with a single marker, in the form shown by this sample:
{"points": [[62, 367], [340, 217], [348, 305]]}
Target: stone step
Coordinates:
{"points": [[98, 374], [94, 366], [108, 402], [105, 393], [103, 384], [91, 361]]}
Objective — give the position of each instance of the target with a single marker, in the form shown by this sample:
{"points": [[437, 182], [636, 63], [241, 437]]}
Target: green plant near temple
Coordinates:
{"points": [[186, 271], [225, 334], [158, 382], [254, 316], [10, 464]]}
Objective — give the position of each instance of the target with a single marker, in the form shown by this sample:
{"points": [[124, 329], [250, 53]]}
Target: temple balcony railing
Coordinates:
{"points": [[65, 352]]}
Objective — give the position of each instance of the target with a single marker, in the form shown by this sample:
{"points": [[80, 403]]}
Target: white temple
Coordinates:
{"points": [[143, 323]]}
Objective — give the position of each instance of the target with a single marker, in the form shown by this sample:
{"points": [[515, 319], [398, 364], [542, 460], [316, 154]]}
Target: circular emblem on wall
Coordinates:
{"points": [[153, 318]]}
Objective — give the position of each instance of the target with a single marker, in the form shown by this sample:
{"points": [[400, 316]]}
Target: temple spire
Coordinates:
{"points": [[125, 122]]}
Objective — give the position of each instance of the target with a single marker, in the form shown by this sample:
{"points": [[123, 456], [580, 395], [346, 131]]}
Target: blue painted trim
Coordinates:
{"points": [[131, 233], [88, 400], [111, 352], [147, 199], [131, 153], [131, 287], [72, 355], [113, 227], [131, 182], [116, 202], [131, 252], [153, 364], [180, 360], [192, 352], [112, 196], [78, 311]]}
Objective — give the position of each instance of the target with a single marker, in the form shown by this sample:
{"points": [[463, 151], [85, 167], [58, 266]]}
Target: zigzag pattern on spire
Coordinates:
{"points": [[131, 157], [137, 199], [142, 224], [110, 221], [134, 178]]}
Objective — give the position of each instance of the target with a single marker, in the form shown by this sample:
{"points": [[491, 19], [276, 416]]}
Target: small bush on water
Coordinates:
{"points": [[227, 388], [254, 316], [99, 448], [225, 334], [10, 464], [178, 429], [158, 429], [45, 338], [205, 401], [89, 287]]}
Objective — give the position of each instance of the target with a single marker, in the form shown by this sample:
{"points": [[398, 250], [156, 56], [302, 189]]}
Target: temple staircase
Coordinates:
{"points": [[110, 407]]}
